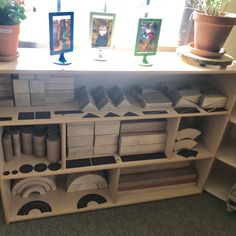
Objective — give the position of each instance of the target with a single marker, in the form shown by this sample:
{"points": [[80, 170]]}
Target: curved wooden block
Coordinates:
{"points": [[33, 189], [47, 182], [188, 133], [85, 181], [184, 144]]}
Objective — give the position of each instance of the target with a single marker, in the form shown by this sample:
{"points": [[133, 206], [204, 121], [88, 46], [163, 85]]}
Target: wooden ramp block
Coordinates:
{"points": [[142, 138], [184, 144], [157, 179], [189, 133], [213, 101], [86, 181], [107, 127], [135, 126], [141, 149]]}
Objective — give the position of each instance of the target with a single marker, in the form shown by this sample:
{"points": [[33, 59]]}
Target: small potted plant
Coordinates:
{"points": [[12, 13], [212, 25]]}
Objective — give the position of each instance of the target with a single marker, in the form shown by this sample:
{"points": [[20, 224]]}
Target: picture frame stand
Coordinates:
{"points": [[100, 56], [145, 61], [62, 60]]}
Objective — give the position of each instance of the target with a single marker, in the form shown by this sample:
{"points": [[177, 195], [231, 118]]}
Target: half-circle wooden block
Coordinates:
{"points": [[33, 189], [184, 144], [48, 183], [85, 200], [86, 181], [188, 133]]}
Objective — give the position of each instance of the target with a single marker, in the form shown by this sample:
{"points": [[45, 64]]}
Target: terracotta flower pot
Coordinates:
{"points": [[211, 32], [9, 35]]}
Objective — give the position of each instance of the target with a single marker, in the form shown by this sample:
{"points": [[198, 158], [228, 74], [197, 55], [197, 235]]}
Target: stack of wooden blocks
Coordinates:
{"points": [[80, 139], [140, 137], [21, 92], [106, 137], [6, 93]]}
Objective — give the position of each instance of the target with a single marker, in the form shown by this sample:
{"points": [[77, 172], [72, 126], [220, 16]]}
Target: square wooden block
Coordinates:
{"points": [[109, 139], [107, 127], [105, 150], [37, 86], [22, 100], [80, 152], [21, 86], [80, 141]]}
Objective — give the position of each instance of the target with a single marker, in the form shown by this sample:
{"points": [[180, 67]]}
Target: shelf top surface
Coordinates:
{"points": [[40, 61]]}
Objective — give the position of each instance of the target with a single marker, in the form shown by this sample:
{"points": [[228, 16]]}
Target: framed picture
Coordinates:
{"points": [[101, 29], [61, 25], [147, 36]]}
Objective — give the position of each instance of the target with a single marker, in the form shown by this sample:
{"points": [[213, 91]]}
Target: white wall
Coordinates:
{"points": [[230, 44]]}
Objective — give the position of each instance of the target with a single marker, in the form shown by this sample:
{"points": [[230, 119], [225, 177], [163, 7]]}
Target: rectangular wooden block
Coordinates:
{"points": [[6, 93], [21, 86], [141, 149], [142, 138], [105, 150], [80, 152], [6, 102], [37, 86], [80, 130], [5, 79], [106, 139], [22, 100], [59, 85], [59, 99], [37, 99], [5, 87], [26, 76], [107, 127], [213, 101], [135, 126], [80, 141]]}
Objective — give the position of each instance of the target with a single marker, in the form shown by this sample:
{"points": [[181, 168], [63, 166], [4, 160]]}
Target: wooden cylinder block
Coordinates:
{"points": [[16, 141], [27, 140], [53, 148], [7, 147], [39, 143]]}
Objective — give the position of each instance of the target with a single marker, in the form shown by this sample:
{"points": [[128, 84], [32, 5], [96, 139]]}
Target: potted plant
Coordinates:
{"points": [[212, 25], [12, 12]]}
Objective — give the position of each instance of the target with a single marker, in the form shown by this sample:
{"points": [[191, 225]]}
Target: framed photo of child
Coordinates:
{"points": [[101, 29], [147, 36], [61, 32]]}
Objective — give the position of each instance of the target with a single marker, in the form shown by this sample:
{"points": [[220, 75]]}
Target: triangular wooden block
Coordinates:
{"points": [[213, 101]]}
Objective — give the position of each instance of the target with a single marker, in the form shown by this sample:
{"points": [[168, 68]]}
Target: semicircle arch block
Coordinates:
{"points": [[33, 189], [83, 201]]}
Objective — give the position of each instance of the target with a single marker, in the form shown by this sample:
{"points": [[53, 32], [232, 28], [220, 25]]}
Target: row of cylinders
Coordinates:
{"points": [[40, 141]]}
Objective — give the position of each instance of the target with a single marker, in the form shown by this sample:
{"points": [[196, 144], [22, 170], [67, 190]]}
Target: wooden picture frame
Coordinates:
{"points": [[101, 29]]}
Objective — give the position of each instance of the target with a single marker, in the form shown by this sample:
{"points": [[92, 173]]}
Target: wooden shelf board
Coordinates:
{"points": [[58, 119], [220, 182]]}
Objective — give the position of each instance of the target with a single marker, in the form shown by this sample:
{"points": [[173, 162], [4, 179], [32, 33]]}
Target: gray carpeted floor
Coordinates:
{"points": [[198, 215]]}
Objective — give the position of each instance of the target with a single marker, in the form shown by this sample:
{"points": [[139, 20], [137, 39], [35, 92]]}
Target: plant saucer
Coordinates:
{"points": [[203, 53]]}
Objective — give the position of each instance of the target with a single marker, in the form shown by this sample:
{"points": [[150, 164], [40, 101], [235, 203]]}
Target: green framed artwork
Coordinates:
{"points": [[148, 35]]}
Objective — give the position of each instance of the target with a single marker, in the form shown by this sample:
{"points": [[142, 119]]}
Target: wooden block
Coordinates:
{"points": [[86, 181], [6, 102], [7, 93], [184, 144], [213, 101], [105, 150], [37, 86], [107, 127], [53, 93], [189, 133], [59, 85], [59, 99], [141, 149], [142, 138], [22, 100], [33, 189], [80, 141], [5, 79], [37, 99], [20, 86], [80, 130], [26, 76], [157, 179], [5, 87], [135, 126], [80, 152], [106, 139]]}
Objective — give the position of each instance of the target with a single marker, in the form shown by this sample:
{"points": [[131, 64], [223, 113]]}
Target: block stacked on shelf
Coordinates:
{"points": [[80, 138], [106, 137], [21, 92], [6, 91], [142, 136]]}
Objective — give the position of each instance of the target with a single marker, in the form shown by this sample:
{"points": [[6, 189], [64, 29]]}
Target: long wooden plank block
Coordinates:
{"points": [[80, 141], [109, 139], [107, 127]]}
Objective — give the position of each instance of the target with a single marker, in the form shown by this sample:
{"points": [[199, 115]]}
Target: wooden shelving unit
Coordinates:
{"points": [[124, 71]]}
